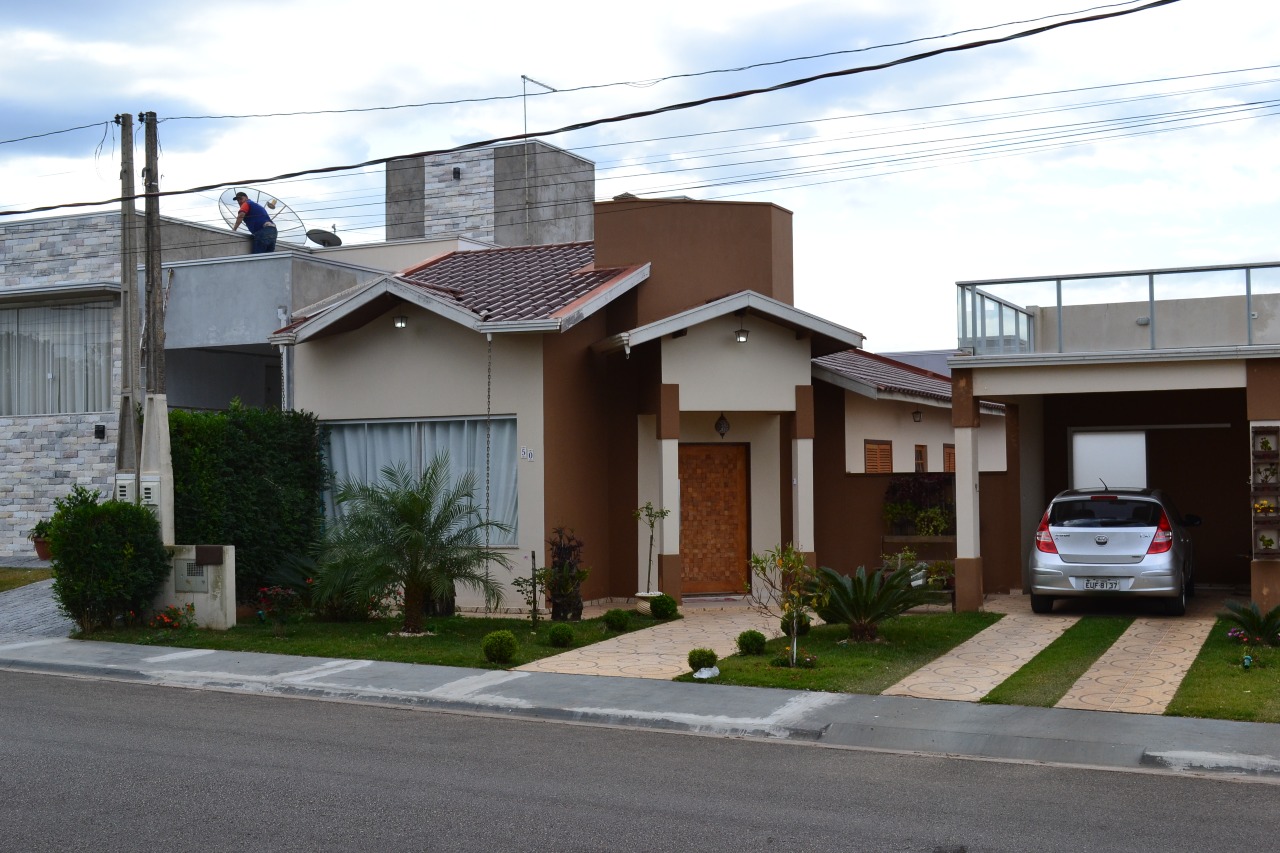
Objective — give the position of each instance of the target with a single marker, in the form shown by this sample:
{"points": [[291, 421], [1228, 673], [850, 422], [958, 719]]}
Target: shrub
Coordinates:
{"points": [[617, 620], [751, 643], [702, 659], [663, 607], [801, 627], [108, 562], [564, 575], [252, 478], [862, 601], [1256, 628], [499, 646], [560, 635]]}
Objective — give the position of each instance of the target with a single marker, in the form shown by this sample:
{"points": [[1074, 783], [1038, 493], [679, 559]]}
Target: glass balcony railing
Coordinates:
{"points": [[1182, 308]]}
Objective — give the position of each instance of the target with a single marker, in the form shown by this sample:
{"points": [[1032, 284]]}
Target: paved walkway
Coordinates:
{"points": [[663, 650], [29, 611]]}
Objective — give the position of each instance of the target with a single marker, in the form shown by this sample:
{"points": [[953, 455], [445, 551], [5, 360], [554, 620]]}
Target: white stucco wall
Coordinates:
{"points": [[890, 420], [435, 368], [716, 373], [1168, 375]]}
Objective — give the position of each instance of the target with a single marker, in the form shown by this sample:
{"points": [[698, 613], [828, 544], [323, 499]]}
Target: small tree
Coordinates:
{"points": [[785, 589], [650, 517], [421, 535]]}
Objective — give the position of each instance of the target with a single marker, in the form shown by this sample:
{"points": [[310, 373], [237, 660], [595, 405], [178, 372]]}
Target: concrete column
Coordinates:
{"points": [[969, 591], [668, 544], [802, 494]]}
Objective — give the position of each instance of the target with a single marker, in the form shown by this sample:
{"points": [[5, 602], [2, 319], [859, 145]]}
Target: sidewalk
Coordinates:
{"points": [[1059, 736]]}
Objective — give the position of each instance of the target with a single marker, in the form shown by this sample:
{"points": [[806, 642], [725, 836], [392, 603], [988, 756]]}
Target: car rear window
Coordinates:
{"points": [[1109, 512]]}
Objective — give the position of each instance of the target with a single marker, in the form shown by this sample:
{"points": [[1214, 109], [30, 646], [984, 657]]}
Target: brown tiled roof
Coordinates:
{"points": [[886, 374], [520, 283]]}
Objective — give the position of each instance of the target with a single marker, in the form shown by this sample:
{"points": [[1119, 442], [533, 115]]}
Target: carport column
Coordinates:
{"points": [[965, 421], [802, 510], [668, 529]]}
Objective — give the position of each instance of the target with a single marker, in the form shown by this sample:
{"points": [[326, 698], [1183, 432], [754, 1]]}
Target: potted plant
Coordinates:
{"points": [[39, 537], [650, 516]]}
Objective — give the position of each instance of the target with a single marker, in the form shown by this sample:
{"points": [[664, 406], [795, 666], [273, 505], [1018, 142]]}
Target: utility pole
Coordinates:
{"points": [[129, 432], [155, 478], [155, 296]]}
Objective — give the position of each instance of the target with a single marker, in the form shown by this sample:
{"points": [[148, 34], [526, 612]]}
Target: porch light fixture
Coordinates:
{"points": [[722, 424], [741, 335], [401, 321], [917, 416]]}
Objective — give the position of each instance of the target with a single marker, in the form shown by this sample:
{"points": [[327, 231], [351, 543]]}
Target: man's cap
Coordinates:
{"points": [[241, 193]]}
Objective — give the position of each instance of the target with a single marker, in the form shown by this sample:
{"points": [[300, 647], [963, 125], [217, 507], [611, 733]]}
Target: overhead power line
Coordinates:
{"points": [[629, 116]]}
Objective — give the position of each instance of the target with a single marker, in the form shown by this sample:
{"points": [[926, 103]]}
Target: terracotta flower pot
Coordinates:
{"points": [[42, 549]]}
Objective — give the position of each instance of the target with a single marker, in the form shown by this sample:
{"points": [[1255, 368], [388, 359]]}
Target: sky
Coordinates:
{"points": [[1071, 151]]}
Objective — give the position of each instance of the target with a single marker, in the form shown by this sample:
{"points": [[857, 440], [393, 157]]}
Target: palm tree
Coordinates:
{"points": [[421, 534]]}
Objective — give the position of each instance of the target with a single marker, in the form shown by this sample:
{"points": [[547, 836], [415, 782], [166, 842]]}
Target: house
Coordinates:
{"points": [[663, 361], [1182, 364]]}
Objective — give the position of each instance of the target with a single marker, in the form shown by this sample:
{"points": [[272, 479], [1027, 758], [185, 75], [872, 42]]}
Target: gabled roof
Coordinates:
{"points": [[826, 336], [521, 289], [882, 378]]}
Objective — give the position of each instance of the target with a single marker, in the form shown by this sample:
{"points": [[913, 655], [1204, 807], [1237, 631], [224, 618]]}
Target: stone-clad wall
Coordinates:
{"points": [[49, 251], [462, 207], [43, 456]]}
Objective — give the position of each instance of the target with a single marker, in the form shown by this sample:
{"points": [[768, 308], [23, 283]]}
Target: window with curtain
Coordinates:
{"points": [[360, 450], [55, 359]]}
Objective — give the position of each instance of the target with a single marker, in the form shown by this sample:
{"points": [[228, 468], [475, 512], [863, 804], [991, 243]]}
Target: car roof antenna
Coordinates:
{"points": [[1105, 487]]}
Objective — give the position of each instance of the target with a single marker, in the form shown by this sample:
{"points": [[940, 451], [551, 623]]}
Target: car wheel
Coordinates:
{"points": [[1041, 604], [1177, 605]]}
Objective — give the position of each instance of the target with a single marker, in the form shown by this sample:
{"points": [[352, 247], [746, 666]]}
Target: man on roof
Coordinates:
{"points": [[258, 221]]}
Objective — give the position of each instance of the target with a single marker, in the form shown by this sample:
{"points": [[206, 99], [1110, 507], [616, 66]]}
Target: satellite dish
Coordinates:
{"points": [[328, 239], [289, 227]]}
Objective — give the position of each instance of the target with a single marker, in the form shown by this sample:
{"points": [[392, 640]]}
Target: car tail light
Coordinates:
{"points": [[1044, 541], [1163, 540]]}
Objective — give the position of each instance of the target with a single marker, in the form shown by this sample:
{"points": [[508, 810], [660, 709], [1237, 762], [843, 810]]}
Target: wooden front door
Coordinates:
{"points": [[714, 518]]}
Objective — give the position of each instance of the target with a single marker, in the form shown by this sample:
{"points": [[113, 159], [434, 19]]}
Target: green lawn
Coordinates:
{"points": [[906, 644], [456, 641], [14, 578], [1218, 687], [1049, 675]]}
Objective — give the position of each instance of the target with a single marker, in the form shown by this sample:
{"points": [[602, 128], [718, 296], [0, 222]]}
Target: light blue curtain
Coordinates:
{"points": [[359, 451], [55, 359]]}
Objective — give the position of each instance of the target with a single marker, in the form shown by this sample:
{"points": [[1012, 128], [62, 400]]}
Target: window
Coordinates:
{"points": [[55, 359], [361, 450], [949, 458], [877, 456], [922, 458]]}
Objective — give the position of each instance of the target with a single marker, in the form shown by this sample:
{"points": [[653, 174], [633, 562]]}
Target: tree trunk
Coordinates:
{"points": [[414, 599]]}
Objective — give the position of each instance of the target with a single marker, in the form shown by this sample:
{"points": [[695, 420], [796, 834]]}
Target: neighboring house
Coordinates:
{"points": [[1183, 363], [61, 319]]}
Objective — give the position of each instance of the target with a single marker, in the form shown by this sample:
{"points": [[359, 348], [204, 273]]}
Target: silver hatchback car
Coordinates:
{"points": [[1112, 542]]}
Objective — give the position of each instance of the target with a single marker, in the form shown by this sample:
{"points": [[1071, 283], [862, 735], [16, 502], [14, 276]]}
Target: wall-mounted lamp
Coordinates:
{"points": [[741, 335], [457, 173], [722, 425], [917, 416], [401, 321]]}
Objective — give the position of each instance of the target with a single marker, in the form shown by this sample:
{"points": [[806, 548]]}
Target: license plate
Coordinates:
{"points": [[1102, 583]]}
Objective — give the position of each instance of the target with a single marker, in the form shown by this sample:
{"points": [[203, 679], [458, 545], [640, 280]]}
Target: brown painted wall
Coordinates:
{"points": [[848, 519], [1204, 470], [699, 251], [576, 450]]}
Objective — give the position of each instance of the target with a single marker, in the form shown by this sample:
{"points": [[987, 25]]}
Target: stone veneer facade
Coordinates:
{"points": [[43, 456]]}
